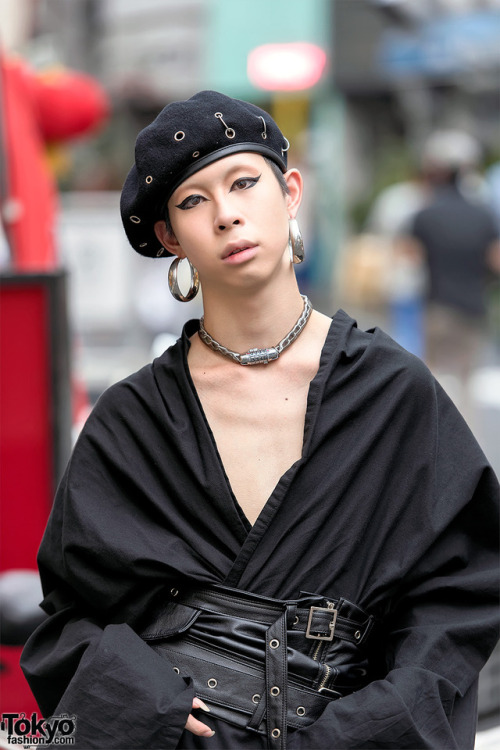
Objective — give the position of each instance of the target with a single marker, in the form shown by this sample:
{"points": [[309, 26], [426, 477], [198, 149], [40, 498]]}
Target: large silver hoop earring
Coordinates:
{"points": [[295, 242], [174, 286]]}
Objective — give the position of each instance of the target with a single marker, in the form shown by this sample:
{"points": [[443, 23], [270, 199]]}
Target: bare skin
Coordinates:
{"points": [[231, 220]]}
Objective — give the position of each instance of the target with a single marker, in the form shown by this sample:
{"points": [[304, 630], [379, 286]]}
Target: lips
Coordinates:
{"points": [[236, 247]]}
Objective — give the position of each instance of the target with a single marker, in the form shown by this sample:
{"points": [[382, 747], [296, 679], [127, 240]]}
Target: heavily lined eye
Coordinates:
{"points": [[190, 202], [245, 182]]}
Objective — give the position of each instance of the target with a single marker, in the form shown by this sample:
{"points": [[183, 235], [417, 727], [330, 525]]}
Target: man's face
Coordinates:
{"points": [[231, 220]]}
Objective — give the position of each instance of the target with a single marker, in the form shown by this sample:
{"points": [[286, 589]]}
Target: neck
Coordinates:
{"points": [[259, 319]]}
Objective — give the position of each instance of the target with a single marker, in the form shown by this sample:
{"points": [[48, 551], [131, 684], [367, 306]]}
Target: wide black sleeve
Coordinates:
{"points": [[120, 692], [107, 552], [442, 622]]}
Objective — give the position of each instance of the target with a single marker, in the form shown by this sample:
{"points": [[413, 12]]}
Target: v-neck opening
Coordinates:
{"points": [[269, 507]]}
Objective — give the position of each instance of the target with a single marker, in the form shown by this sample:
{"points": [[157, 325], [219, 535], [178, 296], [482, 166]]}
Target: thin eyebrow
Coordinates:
{"points": [[201, 185]]}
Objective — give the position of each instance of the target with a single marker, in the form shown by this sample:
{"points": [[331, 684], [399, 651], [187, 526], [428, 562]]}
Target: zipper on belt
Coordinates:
{"points": [[326, 677]]}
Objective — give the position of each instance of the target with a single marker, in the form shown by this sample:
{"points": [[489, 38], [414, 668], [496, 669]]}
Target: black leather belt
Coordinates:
{"points": [[301, 645]]}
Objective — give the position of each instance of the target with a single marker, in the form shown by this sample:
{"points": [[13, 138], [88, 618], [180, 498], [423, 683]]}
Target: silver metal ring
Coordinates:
{"points": [[212, 683], [256, 698], [149, 179], [275, 733], [195, 154], [230, 133], [160, 252], [357, 634], [274, 643], [174, 592], [135, 219], [176, 670], [275, 691], [143, 244], [284, 150], [179, 135], [301, 711], [295, 620]]}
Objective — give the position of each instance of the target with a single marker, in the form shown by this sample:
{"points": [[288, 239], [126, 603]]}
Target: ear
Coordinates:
{"points": [[168, 239], [293, 179]]}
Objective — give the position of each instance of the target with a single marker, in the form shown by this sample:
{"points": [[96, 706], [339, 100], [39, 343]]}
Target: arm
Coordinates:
{"points": [[443, 616]]}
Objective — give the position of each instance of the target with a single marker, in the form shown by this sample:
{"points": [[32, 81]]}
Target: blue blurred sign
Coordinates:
{"points": [[444, 47]]}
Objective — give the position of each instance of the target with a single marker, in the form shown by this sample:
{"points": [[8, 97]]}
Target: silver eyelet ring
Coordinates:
{"points": [[301, 711], [174, 592], [256, 698], [230, 133], [264, 132], [357, 634], [284, 150], [275, 691], [275, 733], [274, 643], [149, 179], [196, 154], [212, 683], [160, 252], [143, 244], [295, 620], [176, 670], [135, 219], [179, 135]]}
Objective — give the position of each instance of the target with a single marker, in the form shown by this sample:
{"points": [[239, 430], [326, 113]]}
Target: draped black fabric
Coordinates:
{"points": [[392, 506]]}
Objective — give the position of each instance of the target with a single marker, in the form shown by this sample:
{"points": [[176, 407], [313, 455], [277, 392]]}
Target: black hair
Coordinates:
{"points": [[274, 168]]}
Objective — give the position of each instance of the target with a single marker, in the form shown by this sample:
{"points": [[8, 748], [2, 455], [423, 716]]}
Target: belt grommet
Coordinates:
{"points": [[275, 691], [256, 698], [174, 592], [176, 670], [357, 634], [296, 620], [275, 733], [212, 683], [301, 711], [274, 643]]}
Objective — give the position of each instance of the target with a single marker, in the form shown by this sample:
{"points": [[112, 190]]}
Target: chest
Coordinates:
{"points": [[257, 420]]}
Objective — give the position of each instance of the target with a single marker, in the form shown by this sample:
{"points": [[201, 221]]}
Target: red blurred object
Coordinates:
{"points": [[37, 109], [286, 67]]}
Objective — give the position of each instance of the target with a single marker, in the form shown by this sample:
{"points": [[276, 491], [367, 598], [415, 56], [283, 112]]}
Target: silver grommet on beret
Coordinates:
{"points": [[195, 154], [149, 179], [179, 135], [143, 244], [135, 219], [160, 252], [264, 132]]}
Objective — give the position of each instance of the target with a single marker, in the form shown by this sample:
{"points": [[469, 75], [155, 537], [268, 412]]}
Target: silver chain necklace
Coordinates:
{"points": [[259, 356]]}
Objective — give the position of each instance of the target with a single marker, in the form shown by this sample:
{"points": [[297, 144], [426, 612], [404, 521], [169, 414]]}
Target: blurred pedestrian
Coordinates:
{"points": [[457, 238], [279, 512]]}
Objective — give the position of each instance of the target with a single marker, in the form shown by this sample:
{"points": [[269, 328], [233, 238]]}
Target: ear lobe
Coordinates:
{"points": [[295, 185], [168, 239]]}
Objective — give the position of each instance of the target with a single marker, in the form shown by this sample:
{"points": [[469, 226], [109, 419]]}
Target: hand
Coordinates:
{"points": [[195, 726]]}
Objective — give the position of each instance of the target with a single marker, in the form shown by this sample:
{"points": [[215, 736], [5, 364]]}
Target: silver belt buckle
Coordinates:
{"points": [[331, 610]]}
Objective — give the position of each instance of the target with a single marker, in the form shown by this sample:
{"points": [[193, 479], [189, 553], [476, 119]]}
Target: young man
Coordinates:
{"points": [[283, 519]]}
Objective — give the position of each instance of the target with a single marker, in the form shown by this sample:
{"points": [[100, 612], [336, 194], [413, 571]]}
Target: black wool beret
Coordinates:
{"points": [[185, 137]]}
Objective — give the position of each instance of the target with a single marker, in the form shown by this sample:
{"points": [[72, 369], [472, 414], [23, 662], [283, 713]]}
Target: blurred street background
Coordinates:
{"points": [[392, 110]]}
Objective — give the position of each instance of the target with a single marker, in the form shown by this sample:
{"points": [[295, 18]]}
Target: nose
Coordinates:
{"points": [[227, 215]]}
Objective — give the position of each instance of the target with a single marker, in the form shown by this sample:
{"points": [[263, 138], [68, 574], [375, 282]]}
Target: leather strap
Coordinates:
{"points": [[317, 617]]}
